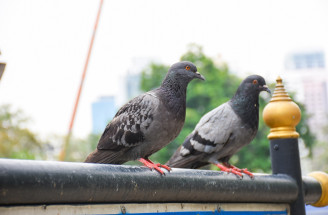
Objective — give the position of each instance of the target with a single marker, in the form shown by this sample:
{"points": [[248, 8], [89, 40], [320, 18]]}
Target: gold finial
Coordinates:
{"points": [[281, 114], [279, 80], [279, 93]]}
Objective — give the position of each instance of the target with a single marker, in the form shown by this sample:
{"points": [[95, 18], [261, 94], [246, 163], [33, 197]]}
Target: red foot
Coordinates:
{"points": [[148, 163], [164, 166], [227, 169], [239, 170]]}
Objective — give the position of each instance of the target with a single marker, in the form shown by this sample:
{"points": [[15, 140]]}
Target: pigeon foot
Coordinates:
{"points": [[148, 163], [164, 166], [229, 170], [239, 170]]}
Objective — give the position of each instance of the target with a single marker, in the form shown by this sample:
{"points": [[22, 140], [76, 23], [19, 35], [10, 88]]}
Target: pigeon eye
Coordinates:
{"points": [[187, 67], [255, 82]]}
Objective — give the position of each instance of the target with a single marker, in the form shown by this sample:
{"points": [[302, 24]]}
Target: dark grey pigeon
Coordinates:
{"points": [[148, 122], [223, 131]]}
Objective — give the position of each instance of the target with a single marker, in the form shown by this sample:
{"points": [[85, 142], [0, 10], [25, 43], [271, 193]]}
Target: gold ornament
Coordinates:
{"points": [[281, 114]]}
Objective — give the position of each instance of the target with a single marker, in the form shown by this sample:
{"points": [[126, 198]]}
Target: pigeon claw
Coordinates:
{"points": [[247, 173], [239, 170], [148, 163], [235, 172], [164, 166], [229, 170]]}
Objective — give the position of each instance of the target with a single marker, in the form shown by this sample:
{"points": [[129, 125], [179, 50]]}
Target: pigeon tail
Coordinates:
{"points": [[105, 156], [189, 161]]}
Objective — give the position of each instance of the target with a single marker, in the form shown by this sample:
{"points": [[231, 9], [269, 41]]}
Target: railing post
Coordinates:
{"points": [[282, 115]]}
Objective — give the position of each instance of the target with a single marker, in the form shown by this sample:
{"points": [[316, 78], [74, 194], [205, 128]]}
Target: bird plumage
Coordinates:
{"points": [[148, 122], [224, 130]]}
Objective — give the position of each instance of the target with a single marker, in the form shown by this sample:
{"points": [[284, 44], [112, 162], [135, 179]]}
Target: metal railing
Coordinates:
{"points": [[50, 182]]}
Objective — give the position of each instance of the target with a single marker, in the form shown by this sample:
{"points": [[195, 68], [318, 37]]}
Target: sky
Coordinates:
{"points": [[45, 44]]}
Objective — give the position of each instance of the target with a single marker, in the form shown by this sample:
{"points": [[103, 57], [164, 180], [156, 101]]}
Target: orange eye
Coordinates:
{"points": [[187, 67], [254, 81]]}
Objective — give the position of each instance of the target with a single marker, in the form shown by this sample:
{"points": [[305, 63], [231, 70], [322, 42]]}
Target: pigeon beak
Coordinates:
{"points": [[199, 76], [265, 88]]}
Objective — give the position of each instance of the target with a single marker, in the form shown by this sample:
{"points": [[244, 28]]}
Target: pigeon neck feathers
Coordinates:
{"points": [[174, 83], [173, 95], [245, 103]]}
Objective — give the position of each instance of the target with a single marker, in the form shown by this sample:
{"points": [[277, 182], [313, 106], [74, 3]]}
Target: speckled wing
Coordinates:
{"points": [[212, 132], [130, 124]]}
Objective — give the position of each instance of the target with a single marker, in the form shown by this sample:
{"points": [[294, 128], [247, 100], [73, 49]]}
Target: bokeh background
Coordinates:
{"points": [[44, 45]]}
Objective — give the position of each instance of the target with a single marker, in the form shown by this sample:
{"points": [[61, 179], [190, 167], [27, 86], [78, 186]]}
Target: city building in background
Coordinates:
{"points": [[306, 60], [132, 85], [103, 110], [308, 76], [133, 76]]}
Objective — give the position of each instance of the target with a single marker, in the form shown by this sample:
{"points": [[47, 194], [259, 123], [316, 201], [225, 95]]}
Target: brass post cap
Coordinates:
{"points": [[281, 114], [322, 178]]}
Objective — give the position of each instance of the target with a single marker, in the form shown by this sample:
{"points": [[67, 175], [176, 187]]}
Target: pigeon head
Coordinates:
{"points": [[253, 85], [183, 72]]}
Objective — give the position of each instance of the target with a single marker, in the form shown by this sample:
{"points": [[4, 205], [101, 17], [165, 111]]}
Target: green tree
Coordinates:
{"points": [[16, 141], [320, 163], [152, 76], [79, 148], [304, 130], [219, 87]]}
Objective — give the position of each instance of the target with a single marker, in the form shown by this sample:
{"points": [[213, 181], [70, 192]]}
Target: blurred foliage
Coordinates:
{"points": [[79, 148], [304, 130], [16, 141], [219, 87], [152, 76], [321, 149]]}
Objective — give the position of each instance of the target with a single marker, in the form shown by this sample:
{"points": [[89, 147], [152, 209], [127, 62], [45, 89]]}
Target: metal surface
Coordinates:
{"points": [[285, 160], [312, 190], [322, 178], [47, 182]]}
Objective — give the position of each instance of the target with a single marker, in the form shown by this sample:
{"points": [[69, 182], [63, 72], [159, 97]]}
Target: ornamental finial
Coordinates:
{"points": [[281, 114]]}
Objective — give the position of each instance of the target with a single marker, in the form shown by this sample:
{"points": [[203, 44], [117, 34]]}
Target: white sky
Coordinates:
{"points": [[45, 43]]}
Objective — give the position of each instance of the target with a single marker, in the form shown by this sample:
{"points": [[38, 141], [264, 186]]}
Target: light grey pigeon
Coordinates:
{"points": [[148, 122], [223, 131]]}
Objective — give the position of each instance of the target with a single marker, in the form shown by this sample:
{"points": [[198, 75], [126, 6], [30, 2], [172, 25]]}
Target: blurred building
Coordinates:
{"points": [[130, 86], [103, 110], [307, 75], [306, 60], [132, 79]]}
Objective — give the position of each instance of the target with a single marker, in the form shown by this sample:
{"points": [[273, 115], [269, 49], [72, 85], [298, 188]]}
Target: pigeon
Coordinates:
{"points": [[223, 131], [148, 122]]}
